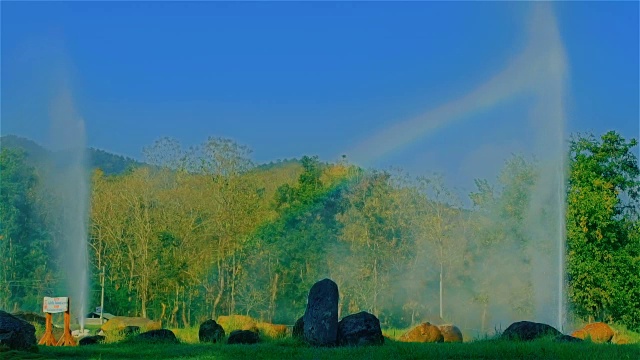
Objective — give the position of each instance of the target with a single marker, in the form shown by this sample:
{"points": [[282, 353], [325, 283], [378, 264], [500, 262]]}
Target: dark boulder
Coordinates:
{"points": [[360, 329], [321, 316], [298, 329], [161, 335], [527, 330], [210, 331], [31, 317], [243, 337], [568, 338], [91, 340], [15, 333]]}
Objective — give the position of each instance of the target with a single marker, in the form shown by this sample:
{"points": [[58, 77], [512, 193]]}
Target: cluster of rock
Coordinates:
{"points": [[130, 332], [526, 331], [319, 326]]}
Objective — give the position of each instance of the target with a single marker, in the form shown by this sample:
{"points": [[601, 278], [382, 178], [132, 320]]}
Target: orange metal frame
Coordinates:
{"points": [[66, 339]]}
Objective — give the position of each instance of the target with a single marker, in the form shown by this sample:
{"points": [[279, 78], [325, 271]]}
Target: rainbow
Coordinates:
{"points": [[538, 66]]}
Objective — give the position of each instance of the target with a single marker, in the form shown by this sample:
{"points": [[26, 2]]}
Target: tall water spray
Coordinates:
{"points": [[69, 178], [538, 74]]}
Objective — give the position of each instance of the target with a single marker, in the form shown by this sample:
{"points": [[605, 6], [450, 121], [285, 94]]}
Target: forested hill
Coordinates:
{"points": [[110, 164]]}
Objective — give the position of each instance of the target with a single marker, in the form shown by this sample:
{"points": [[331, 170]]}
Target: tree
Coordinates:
{"points": [[376, 227], [25, 272], [602, 220], [502, 240], [439, 218]]}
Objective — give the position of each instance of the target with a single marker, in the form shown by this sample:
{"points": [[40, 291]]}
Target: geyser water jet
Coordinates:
{"points": [[70, 182]]}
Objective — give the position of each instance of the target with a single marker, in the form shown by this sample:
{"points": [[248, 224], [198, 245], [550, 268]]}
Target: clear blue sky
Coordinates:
{"points": [[289, 79]]}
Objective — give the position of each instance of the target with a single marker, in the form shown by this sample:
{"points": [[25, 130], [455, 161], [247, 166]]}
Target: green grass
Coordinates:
{"points": [[291, 349], [621, 332]]}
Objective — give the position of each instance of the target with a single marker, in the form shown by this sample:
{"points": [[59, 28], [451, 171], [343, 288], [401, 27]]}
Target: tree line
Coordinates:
{"points": [[202, 232]]}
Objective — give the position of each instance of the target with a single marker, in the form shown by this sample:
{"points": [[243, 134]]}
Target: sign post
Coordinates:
{"points": [[57, 305], [47, 338]]}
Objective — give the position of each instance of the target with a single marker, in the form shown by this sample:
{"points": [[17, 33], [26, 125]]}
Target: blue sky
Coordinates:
{"points": [[289, 79]]}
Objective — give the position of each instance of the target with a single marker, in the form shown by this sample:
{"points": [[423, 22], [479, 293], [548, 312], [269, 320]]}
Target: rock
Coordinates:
{"points": [[527, 330], [119, 323], [360, 329], [243, 337], [161, 335], [321, 317], [91, 340], [567, 338], [15, 333], [425, 333], [237, 322], [451, 333], [298, 329], [273, 330], [598, 332], [210, 331], [31, 317]]}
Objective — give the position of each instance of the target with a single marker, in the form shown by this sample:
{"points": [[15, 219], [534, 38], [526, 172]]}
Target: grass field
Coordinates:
{"points": [[290, 349]]}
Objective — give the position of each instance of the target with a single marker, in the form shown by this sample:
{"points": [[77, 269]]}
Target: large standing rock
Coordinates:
{"points": [[15, 333], [360, 329], [210, 331], [527, 330], [598, 332], [424, 332], [161, 336], [451, 333], [321, 316], [298, 329], [243, 337]]}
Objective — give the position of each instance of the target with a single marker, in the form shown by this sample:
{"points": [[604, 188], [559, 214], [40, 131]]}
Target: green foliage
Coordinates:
{"points": [[24, 245], [602, 222], [292, 249]]}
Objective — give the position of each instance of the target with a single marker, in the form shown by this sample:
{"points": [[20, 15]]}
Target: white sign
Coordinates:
{"points": [[98, 310], [54, 305]]}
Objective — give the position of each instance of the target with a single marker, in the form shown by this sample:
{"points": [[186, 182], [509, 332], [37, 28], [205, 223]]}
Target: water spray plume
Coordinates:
{"points": [[69, 177], [538, 71]]}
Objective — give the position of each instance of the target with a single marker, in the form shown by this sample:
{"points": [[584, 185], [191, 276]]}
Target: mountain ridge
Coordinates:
{"points": [[36, 154]]}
